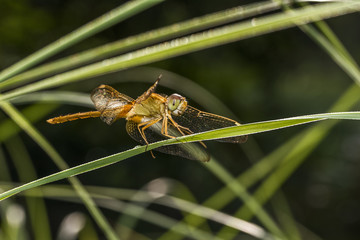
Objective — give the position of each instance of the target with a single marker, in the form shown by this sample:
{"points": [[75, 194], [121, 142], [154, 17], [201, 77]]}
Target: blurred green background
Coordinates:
{"points": [[273, 76]]}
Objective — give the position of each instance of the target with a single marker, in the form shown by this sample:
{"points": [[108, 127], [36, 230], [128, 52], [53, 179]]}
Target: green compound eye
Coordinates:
{"points": [[173, 102], [176, 104]]}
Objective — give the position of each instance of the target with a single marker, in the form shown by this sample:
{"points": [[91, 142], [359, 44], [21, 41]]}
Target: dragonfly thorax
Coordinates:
{"points": [[177, 104]]}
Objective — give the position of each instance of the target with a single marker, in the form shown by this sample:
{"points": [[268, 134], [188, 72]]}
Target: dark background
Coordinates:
{"points": [[277, 75]]}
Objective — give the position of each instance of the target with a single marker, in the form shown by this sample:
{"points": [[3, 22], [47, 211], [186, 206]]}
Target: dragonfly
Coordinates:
{"points": [[154, 117]]}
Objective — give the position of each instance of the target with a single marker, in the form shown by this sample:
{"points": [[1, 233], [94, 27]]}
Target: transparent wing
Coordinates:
{"points": [[193, 151], [109, 102], [199, 121]]}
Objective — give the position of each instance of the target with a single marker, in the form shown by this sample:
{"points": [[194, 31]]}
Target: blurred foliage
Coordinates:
{"points": [[277, 75]]}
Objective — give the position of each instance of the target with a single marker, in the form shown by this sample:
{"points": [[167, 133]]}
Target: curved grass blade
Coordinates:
{"points": [[46, 146], [8, 128], [107, 20], [304, 143], [63, 97], [241, 192], [263, 216], [150, 37], [251, 128], [26, 172], [210, 135], [195, 42], [312, 137], [254, 174], [104, 194]]}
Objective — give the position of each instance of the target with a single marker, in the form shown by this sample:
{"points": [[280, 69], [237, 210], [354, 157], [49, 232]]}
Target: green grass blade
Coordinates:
{"points": [[286, 220], [161, 34], [63, 97], [240, 191], [193, 43], [250, 177], [109, 19], [338, 55], [210, 135], [162, 220], [165, 221], [45, 145], [332, 43], [26, 172], [252, 128], [8, 128], [4, 170], [312, 138], [291, 155], [8, 230], [103, 195]]}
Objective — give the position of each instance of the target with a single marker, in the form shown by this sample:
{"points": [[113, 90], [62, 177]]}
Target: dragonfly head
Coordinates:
{"points": [[177, 104]]}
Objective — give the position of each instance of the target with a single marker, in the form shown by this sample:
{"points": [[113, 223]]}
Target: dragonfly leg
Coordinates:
{"points": [[172, 122], [152, 154], [143, 126], [187, 130], [142, 131], [164, 129]]}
